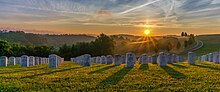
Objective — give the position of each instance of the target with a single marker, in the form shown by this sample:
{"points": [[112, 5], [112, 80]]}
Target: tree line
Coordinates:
{"points": [[103, 45]]}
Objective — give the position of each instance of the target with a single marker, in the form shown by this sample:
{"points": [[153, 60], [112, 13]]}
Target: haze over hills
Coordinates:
{"points": [[55, 40], [58, 40], [46, 39]]}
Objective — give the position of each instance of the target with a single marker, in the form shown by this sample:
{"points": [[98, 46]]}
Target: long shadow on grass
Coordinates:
{"points": [[144, 67], [22, 70], [114, 78], [173, 73], [179, 66], [208, 67], [102, 69], [52, 72]]}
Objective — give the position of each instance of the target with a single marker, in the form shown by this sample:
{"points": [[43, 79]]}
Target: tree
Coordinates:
{"points": [[104, 45], [28, 50], [84, 48], [185, 34], [5, 48], [17, 49], [65, 51], [182, 34], [191, 39], [43, 51]]}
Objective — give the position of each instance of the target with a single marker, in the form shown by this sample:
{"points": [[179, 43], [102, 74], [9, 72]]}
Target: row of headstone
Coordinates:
{"points": [[162, 59], [87, 60], [55, 61], [24, 61], [129, 59], [84, 60], [211, 57]]}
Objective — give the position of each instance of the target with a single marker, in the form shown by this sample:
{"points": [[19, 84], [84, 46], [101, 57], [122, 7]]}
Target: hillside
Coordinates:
{"points": [[39, 39], [140, 45], [211, 44]]}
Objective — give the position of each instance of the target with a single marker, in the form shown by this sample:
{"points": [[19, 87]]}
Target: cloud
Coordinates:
{"points": [[170, 13], [138, 7]]}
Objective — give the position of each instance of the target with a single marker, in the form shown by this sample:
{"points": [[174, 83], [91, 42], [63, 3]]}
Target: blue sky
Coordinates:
{"points": [[111, 16]]}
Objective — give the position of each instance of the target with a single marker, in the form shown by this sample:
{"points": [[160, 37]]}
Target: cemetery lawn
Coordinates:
{"points": [[72, 77]]}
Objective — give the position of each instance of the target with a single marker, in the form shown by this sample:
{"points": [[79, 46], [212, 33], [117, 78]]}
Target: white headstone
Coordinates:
{"points": [[117, 60], [161, 60], [98, 60], [173, 58], [169, 57], [110, 59], [24, 61], [18, 60], [3, 61], [40, 60], [86, 60], [36, 60], [191, 58], [31, 61], [210, 58], [130, 60], [144, 59], [103, 60], [11, 61], [216, 57], [53, 61]]}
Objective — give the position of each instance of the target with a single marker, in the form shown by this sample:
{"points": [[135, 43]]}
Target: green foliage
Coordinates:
{"points": [[191, 39], [43, 50], [103, 45], [65, 51], [5, 48], [17, 49]]}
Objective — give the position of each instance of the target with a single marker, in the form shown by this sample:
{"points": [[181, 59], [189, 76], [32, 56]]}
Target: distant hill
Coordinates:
{"points": [[39, 39], [127, 36]]}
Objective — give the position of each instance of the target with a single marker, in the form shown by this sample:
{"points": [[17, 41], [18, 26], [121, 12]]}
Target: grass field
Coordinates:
{"points": [[72, 77], [211, 44]]}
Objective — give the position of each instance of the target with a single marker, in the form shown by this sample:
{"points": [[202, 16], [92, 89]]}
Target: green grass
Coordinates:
{"points": [[72, 77], [211, 44]]}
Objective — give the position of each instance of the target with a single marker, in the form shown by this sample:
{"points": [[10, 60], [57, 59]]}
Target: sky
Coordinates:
{"points": [[162, 17]]}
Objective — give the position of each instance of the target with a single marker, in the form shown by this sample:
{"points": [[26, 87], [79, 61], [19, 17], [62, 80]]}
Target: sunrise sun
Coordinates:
{"points": [[147, 32]]}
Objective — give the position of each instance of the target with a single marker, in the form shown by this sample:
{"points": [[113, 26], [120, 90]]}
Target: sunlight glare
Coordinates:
{"points": [[147, 32]]}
